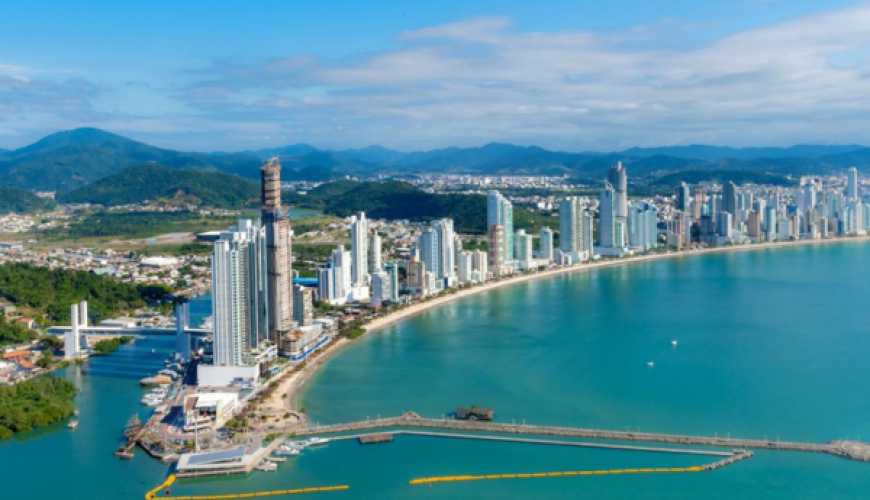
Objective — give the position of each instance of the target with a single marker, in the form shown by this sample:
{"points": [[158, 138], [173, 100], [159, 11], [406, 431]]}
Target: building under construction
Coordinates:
{"points": [[279, 258]]}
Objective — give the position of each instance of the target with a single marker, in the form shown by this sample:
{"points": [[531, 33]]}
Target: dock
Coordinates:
{"points": [[852, 450]]}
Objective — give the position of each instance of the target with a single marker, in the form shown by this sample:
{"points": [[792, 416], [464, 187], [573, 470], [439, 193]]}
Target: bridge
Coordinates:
{"points": [[853, 450], [138, 331]]}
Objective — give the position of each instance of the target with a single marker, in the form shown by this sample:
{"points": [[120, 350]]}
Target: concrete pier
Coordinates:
{"points": [[847, 449]]}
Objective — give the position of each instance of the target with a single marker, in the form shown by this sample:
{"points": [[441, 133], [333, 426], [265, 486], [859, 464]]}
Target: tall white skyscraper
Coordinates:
{"points": [[500, 212], [359, 233], [642, 229], [573, 230], [231, 297], [437, 246], [618, 179], [545, 243], [852, 184], [611, 229], [375, 252], [381, 288]]}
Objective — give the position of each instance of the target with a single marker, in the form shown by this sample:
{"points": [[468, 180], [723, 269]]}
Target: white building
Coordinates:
{"points": [[642, 228], [382, 290], [359, 250], [545, 244], [230, 298], [500, 212], [375, 252]]}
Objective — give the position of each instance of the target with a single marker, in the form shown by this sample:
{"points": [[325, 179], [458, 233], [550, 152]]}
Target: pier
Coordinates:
{"points": [[852, 450]]}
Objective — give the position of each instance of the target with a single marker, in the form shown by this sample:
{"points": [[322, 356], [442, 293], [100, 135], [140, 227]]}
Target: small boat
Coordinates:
{"points": [[315, 441], [267, 466], [650, 363], [674, 343], [277, 459], [285, 451], [75, 413], [72, 424]]}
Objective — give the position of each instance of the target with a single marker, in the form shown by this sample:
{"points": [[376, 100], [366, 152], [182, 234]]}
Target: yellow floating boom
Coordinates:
{"points": [[171, 479], [446, 479]]}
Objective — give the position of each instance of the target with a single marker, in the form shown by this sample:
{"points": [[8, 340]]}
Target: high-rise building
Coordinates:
{"points": [[428, 246], [417, 279], [611, 229], [574, 228], [852, 184], [381, 288], [724, 225], [259, 278], [682, 198], [753, 225], [392, 269], [437, 245], [479, 264], [182, 321], [618, 179], [523, 246], [303, 305], [496, 252], [500, 212], [279, 257], [359, 250], [642, 226], [375, 252], [231, 297], [545, 244], [700, 199], [729, 200]]}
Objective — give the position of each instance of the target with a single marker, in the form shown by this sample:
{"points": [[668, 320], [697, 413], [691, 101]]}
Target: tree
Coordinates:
{"points": [[46, 359]]}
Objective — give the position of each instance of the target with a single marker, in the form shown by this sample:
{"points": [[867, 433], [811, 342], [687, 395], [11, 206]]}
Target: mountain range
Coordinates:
{"points": [[68, 160]]}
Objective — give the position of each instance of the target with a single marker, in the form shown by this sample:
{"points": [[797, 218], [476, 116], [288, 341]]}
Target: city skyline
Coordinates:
{"points": [[421, 78]]}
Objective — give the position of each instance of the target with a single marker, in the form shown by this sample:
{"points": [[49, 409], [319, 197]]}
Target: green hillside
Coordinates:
{"points": [[155, 182], [399, 200], [22, 202]]}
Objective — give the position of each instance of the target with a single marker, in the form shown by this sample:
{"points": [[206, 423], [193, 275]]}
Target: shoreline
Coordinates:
{"points": [[296, 389]]}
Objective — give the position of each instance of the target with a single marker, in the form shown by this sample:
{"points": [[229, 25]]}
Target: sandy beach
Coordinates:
{"points": [[293, 385]]}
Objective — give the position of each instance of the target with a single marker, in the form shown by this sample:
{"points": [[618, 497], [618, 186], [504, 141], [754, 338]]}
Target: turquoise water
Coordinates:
{"points": [[771, 342]]}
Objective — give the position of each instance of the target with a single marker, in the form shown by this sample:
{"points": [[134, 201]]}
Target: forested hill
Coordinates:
{"points": [[155, 182], [22, 202], [399, 200]]}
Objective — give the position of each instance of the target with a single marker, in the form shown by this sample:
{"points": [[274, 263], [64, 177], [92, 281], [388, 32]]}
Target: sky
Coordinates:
{"points": [[574, 75]]}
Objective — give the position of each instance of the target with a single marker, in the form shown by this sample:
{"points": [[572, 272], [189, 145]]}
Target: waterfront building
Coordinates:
{"points": [[575, 230], [500, 212], [753, 225], [359, 250], [303, 305], [392, 269], [375, 252], [496, 249], [618, 179], [231, 297], [381, 288], [437, 246], [545, 244], [479, 260], [724, 226], [612, 230], [278, 255], [642, 226], [523, 245], [465, 267], [417, 279]]}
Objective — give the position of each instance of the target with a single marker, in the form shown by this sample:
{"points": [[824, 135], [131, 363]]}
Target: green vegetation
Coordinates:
{"points": [[54, 290], [46, 360], [738, 176], [22, 202], [111, 345], [139, 225], [152, 182], [14, 333], [353, 332], [399, 200], [35, 403]]}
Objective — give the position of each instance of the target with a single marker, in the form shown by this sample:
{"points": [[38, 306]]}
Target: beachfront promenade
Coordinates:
{"points": [[846, 449]]}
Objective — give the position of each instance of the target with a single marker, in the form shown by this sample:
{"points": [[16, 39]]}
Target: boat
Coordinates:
{"points": [[277, 459], [673, 342], [315, 441], [287, 451], [153, 351], [72, 424], [156, 380], [75, 413], [650, 363], [267, 466]]}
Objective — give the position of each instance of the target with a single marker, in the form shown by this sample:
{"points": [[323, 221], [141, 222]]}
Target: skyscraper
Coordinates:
{"points": [[496, 250], [303, 305], [618, 179], [279, 259], [523, 246], [729, 200], [392, 269], [359, 249], [642, 226], [375, 252], [436, 244], [700, 199], [852, 184], [500, 211], [612, 229], [682, 198], [231, 297], [573, 232], [381, 288]]}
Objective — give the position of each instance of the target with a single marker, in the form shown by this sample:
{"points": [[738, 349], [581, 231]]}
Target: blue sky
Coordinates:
{"points": [[572, 75]]}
